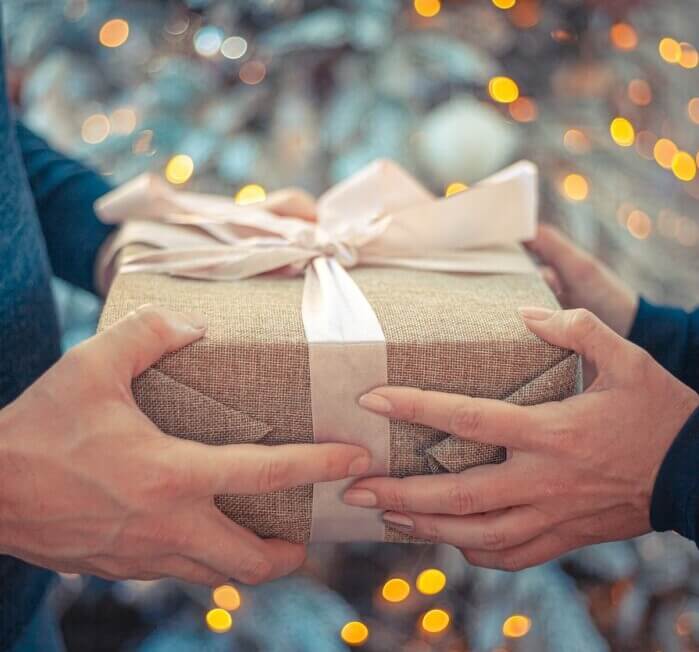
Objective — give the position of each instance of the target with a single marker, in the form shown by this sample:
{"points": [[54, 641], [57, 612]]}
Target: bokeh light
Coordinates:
{"points": [[95, 128], [123, 120], [427, 8], [208, 40], [354, 633], [689, 57], [395, 590], [504, 4], [454, 188], [503, 89], [114, 33], [431, 581], [250, 194], [693, 110], [664, 152], [252, 72], [645, 142], [684, 166], [179, 169], [226, 597], [639, 92], [669, 50], [516, 626], [435, 621], [234, 47], [219, 620], [622, 132], [575, 187], [623, 36], [639, 225], [576, 141], [524, 109]]}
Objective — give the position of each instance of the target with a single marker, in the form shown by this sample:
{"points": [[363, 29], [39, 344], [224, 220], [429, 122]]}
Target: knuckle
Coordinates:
{"points": [[272, 476], [466, 420], [415, 408], [494, 539], [582, 323], [254, 570], [461, 500], [393, 498], [431, 532]]}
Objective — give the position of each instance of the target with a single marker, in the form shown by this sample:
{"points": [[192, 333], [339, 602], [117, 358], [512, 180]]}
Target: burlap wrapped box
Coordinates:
{"points": [[248, 379]]}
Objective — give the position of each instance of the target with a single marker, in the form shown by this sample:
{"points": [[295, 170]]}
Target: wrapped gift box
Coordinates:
{"points": [[249, 379]]}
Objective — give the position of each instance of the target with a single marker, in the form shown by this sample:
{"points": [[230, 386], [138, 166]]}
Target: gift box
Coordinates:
{"points": [[285, 357]]}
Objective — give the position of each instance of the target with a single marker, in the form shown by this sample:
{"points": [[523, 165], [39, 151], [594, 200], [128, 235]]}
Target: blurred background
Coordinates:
{"points": [[247, 96]]}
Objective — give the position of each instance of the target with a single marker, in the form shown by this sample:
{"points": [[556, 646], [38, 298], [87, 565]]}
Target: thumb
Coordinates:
{"points": [[577, 330], [142, 337]]}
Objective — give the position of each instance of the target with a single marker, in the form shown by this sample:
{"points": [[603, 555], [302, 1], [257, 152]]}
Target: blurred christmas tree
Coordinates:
{"points": [[256, 94]]}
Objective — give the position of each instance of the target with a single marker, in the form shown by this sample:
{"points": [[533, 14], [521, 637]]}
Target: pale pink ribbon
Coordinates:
{"points": [[380, 216]]}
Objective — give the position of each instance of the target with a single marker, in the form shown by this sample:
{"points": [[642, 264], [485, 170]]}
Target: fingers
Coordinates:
{"points": [[291, 202], [255, 469], [480, 489], [141, 338], [485, 420], [578, 330], [532, 553], [557, 251], [551, 279], [493, 531], [231, 551]]}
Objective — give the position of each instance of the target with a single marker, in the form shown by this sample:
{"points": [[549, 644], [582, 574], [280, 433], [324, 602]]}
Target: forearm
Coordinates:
{"points": [[671, 336], [64, 192]]}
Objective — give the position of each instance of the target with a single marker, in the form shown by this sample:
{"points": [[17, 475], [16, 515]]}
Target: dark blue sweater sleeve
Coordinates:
{"points": [[64, 192], [671, 336]]}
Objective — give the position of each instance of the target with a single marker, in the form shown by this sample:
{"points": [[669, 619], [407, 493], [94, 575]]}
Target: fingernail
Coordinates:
{"points": [[360, 498], [359, 466], [375, 403], [535, 313], [400, 521]]}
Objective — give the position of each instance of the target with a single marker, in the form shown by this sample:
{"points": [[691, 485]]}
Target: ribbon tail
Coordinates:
{"points": [[347, 357]]}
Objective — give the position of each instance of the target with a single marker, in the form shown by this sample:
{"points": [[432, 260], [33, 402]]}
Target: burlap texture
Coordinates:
{"points": [[248, 379]]}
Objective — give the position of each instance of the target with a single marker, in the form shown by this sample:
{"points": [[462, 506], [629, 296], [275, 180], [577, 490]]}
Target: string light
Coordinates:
{"points": [[354, 633], [250, 194], [516, 626], [435, 621], [623, 36], [622, 132], [575, 187], [689, 57], [669, 50], [524, 109], [664, 152], [427, 8], [179, 169], [639, 225], [454, 188], [503, 89], [431, 581], [504, 4], [226, 597], [219, 620], [114, 33], [684, 166], [95, 128]]}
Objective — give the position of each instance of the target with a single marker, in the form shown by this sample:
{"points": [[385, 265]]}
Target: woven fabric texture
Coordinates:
{"points": [[248, 379]]}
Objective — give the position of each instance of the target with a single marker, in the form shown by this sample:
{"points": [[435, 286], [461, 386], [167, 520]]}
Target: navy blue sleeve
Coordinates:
{"points": [[64, 192], [671, 336]]}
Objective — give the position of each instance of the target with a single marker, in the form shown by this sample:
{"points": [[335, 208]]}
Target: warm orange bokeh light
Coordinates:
{"points": [[623, 36], [669, 50], [663, 152], [427, 8], [516, 626], [524, 109], [114, 33], [435, 621], [395, 590], [575, 187], [354, 633], [639, 224], [639, 92]]}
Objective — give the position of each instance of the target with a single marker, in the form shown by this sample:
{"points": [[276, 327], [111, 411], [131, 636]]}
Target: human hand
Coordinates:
{"points": [[581, 281], [579, 471], [88, 484]]}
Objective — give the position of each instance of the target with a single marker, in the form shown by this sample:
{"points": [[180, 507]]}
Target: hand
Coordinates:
{"points": [[579, 471], [581, 281], [90, 485]]}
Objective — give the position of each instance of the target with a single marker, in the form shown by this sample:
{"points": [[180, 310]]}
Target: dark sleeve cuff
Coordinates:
{"points": [[664, 332], [674, 500]]}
